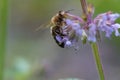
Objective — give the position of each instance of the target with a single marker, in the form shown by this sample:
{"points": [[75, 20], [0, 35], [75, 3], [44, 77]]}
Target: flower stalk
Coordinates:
{"points": [[93, 44], [97, 59]]}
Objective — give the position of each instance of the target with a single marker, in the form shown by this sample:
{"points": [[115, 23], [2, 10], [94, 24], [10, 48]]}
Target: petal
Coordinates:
{"points": [[76, 26], [117, 33], [68, 22], [108, 34], [68, 43], [108, 30], [92, 38], [116, 26], [92, 29], [113, 17], [58, 38], [92, 33]]}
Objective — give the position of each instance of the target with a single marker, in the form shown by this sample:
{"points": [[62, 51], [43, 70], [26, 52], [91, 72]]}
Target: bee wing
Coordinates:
{"points": [[44, 26]]}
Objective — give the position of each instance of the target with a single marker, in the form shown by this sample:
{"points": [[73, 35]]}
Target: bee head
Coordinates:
{"points": [[64, 13], [61, 13]]}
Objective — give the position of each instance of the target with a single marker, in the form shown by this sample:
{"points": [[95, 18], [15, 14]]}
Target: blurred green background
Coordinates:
{"points": [[34, 55]]}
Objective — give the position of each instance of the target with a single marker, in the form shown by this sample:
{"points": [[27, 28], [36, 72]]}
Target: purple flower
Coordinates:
{"points": [[74, 25], [106, 23], [68, 44], [113, 17], [116, 27], [92, 33]]}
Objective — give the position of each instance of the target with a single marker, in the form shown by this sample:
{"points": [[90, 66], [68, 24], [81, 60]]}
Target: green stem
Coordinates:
{"points": [[97, 59], [3, 24]]}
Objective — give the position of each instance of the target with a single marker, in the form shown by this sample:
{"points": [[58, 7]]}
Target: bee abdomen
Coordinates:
{"points": [[61, 44], [58, 36]]}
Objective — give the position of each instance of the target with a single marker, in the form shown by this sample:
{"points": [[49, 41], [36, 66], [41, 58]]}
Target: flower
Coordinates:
{"points": [[73, 30], [106, 23], [92, 33], [116, 27]]}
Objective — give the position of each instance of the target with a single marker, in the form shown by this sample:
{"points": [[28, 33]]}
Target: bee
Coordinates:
{"points": [[56, 30], [62, 33], [64, 28]]}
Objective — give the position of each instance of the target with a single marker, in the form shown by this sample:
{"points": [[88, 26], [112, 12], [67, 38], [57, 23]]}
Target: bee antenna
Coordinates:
{"points": [[69, 10]]}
